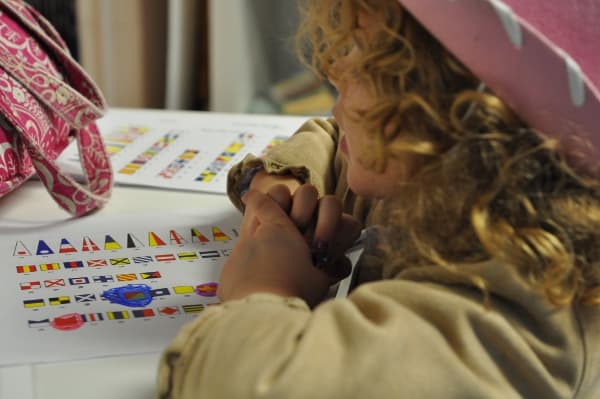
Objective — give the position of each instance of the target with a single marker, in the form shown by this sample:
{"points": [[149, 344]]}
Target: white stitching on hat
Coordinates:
{"points": [[575, 78], [510, 23], [480, 89]]}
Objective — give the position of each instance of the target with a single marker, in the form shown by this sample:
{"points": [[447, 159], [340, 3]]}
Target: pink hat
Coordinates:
{"points": [[542, 57]]}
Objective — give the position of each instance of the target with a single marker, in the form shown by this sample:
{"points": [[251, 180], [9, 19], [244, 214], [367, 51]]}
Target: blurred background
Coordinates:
{"points": [[210, 55]]}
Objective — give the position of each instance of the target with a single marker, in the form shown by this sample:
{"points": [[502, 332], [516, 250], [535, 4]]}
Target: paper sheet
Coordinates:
{"points": [[110, 285], [54, 277], [182, 150]]}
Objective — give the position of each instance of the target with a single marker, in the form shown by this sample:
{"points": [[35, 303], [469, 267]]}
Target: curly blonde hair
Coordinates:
{"points": [[493, 187]]}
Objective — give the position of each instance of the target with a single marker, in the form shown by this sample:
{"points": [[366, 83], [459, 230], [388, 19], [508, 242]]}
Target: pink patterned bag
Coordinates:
{"points": [[47, 100]]}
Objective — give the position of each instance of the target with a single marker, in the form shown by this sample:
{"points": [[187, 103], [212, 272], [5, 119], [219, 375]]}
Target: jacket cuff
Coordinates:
{"points": [[241, 175]]}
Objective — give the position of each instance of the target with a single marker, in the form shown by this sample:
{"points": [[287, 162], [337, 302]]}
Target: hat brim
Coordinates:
{"points": [[541, 82]]}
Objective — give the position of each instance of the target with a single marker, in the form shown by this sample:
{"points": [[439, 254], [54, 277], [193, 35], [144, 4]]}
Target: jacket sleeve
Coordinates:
{"points": [[311, 155], [308, 155], [396, 338]]}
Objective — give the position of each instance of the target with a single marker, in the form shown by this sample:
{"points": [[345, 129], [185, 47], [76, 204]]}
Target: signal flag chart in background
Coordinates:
{"points": [[53, 283], [182, 150]]}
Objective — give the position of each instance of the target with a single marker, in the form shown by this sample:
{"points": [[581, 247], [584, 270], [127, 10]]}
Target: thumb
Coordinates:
{"points": [[260, 208], [281, 194]]}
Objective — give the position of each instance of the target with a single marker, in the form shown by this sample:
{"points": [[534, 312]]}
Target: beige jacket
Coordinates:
{"points": [[423, 334]]}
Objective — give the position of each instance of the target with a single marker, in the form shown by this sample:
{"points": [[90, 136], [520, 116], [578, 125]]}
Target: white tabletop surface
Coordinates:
{"points": [[131, 377]]}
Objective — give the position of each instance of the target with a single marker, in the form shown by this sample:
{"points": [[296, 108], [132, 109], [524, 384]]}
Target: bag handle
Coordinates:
{"points": [[68, 103], [72, 196], [78, 102]]}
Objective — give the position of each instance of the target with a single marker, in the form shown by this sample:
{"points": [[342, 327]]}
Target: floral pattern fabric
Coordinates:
{"points": [[47, 100]]}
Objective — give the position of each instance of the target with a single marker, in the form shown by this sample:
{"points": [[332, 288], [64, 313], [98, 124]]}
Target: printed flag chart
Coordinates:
{"points": [[99, 286], [182, 150]]}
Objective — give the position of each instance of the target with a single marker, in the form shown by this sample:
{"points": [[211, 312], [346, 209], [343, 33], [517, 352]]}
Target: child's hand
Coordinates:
{"points": [[327, 231], [264, 181], [272, 255], [312, 216]]}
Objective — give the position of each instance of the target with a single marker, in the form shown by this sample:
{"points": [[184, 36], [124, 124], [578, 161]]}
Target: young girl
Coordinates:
{"points": [[489, 215]]}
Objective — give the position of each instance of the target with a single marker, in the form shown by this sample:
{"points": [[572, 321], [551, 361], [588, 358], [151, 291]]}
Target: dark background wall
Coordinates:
{"points": [[61, 13]]}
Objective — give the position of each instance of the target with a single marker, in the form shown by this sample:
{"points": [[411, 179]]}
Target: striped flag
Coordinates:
{"points": [[187, 255], [209, 254], [73, 264], [38, 323], [31, 285], [129, 169], [193, 308], [26, 269], [118, 315], [92, 317], [142, 259], [126, 277], [189, 154], [206, 176], [33, 303], [88, 245], [165, 257], [66, 247], [49, 266]]}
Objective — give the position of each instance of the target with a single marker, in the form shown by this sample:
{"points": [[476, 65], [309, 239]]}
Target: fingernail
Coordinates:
{"points": [[319, 254]]}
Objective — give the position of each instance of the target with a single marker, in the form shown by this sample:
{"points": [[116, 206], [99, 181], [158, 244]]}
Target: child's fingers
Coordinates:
{"points": [[261, 207], [304, 204], [330, 211], [281, 194], [345, 234]]}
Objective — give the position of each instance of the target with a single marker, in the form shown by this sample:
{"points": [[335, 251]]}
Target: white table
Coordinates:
{"points": [[131, 377]]}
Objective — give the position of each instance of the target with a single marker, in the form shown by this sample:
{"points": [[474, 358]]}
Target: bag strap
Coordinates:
{"points": [[31, 123], [69, 102], [78, 102], [72, 196]]}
